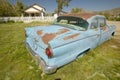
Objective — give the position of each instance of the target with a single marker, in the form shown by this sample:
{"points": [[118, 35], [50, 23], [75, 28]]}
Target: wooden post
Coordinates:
{"points": [[22, 15], [42, 15]]}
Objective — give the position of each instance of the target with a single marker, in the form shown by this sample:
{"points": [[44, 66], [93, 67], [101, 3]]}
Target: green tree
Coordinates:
{"points": [[61, 4], [55, 10], [19, 8], [107, 15], [6, 9]]}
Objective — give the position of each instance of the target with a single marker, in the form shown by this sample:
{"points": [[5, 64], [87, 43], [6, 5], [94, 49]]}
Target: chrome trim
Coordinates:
{"points": [[39, 61]]}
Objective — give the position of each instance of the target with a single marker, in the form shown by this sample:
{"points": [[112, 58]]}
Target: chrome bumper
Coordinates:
{"points": [[45, 68]]}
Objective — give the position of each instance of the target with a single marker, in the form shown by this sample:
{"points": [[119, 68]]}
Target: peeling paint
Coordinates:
{"points": [[103, 28], [71, 36], [82, 15], [47, 37], [62, 31], [39, 32]]}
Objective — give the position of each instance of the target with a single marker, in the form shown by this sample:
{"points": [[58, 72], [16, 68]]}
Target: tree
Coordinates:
{"points": [[61, 4], [55, 10], [106, 14], [6, 9], [19, 8]]}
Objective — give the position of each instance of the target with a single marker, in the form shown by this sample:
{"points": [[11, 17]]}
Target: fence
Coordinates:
{"points": [[27, 19]]}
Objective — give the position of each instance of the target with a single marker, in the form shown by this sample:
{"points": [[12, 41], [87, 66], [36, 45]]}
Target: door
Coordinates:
{"points": [[94, 32], [104, 33]]}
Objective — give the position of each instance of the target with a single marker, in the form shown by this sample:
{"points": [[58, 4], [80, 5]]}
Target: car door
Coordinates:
{"points": [[104, 33], [94, 33]]}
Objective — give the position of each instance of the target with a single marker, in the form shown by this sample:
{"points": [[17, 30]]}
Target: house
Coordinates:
{"points": [[34, 10]]}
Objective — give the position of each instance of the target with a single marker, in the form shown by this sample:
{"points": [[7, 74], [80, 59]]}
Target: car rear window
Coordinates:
{"points": [[72, 22]]}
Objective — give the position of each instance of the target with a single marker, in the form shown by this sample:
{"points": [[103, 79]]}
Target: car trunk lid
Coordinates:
{"points": [[44, 35]]}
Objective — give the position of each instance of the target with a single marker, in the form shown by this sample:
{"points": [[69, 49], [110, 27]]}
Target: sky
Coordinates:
{"points": [[91, 5]]}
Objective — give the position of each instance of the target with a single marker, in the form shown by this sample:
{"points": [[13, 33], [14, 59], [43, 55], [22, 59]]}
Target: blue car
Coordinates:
{"points": [[66, 39]]}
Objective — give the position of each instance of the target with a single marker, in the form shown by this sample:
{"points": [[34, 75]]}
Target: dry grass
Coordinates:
{"points": [[117, 24]]}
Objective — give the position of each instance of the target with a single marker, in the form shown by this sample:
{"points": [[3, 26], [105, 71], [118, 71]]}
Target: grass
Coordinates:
{"points": [[101, 63]]}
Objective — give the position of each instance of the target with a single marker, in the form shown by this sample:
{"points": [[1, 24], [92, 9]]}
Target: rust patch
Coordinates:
{"points": [[71, 36], [47, 37], [39, 32], [62, 31], [82, 15], [103, 28]]}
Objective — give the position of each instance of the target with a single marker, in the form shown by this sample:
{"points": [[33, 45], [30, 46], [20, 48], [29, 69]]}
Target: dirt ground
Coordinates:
{"points": [[117, 24]]}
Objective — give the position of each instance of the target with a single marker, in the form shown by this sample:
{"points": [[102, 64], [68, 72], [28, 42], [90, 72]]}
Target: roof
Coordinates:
{"points": [[35, 8], [81, 15], [69, 18]]}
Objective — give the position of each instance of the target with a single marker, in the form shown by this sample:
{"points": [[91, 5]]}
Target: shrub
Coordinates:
{"points": [[11, 21], [117, 19]]}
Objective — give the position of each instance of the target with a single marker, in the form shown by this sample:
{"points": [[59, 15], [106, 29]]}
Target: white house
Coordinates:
{"points": [[34, 10]]}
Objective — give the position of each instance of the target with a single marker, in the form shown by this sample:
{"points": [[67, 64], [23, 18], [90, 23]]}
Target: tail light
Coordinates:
{"points": [[49, 52]]}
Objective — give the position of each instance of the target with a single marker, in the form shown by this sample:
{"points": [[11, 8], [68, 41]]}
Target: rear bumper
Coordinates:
{"points": [[45, 68]]}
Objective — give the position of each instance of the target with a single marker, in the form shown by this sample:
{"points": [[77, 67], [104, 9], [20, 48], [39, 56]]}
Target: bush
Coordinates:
{"points": [[117, 19], [19, 21], [11, 21], [2, 21]]}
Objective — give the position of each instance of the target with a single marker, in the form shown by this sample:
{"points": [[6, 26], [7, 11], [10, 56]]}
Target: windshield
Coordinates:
{"points": [[71, 22]]}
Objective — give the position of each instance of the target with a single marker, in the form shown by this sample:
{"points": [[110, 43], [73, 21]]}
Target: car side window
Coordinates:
{"points": [[94, 24], [102, 23]]}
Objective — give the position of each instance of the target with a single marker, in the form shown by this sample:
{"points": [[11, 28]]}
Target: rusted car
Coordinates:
{"points": [[66, 39]]}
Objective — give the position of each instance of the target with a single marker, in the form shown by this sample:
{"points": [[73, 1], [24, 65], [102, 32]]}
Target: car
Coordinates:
{"points": [[66, 39]]}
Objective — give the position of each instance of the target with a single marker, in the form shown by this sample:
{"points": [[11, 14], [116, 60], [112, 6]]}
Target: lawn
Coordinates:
{"points": [[101, 63]]}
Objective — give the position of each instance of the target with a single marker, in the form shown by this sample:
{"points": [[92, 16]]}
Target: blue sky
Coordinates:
{"points": [[92, 5]]}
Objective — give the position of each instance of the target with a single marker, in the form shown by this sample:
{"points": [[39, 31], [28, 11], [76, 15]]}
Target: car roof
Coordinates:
{"points": [[81, 15], [69, 17]]}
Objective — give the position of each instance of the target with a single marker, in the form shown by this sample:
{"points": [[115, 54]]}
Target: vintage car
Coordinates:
{"points": [[66, 39]]}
